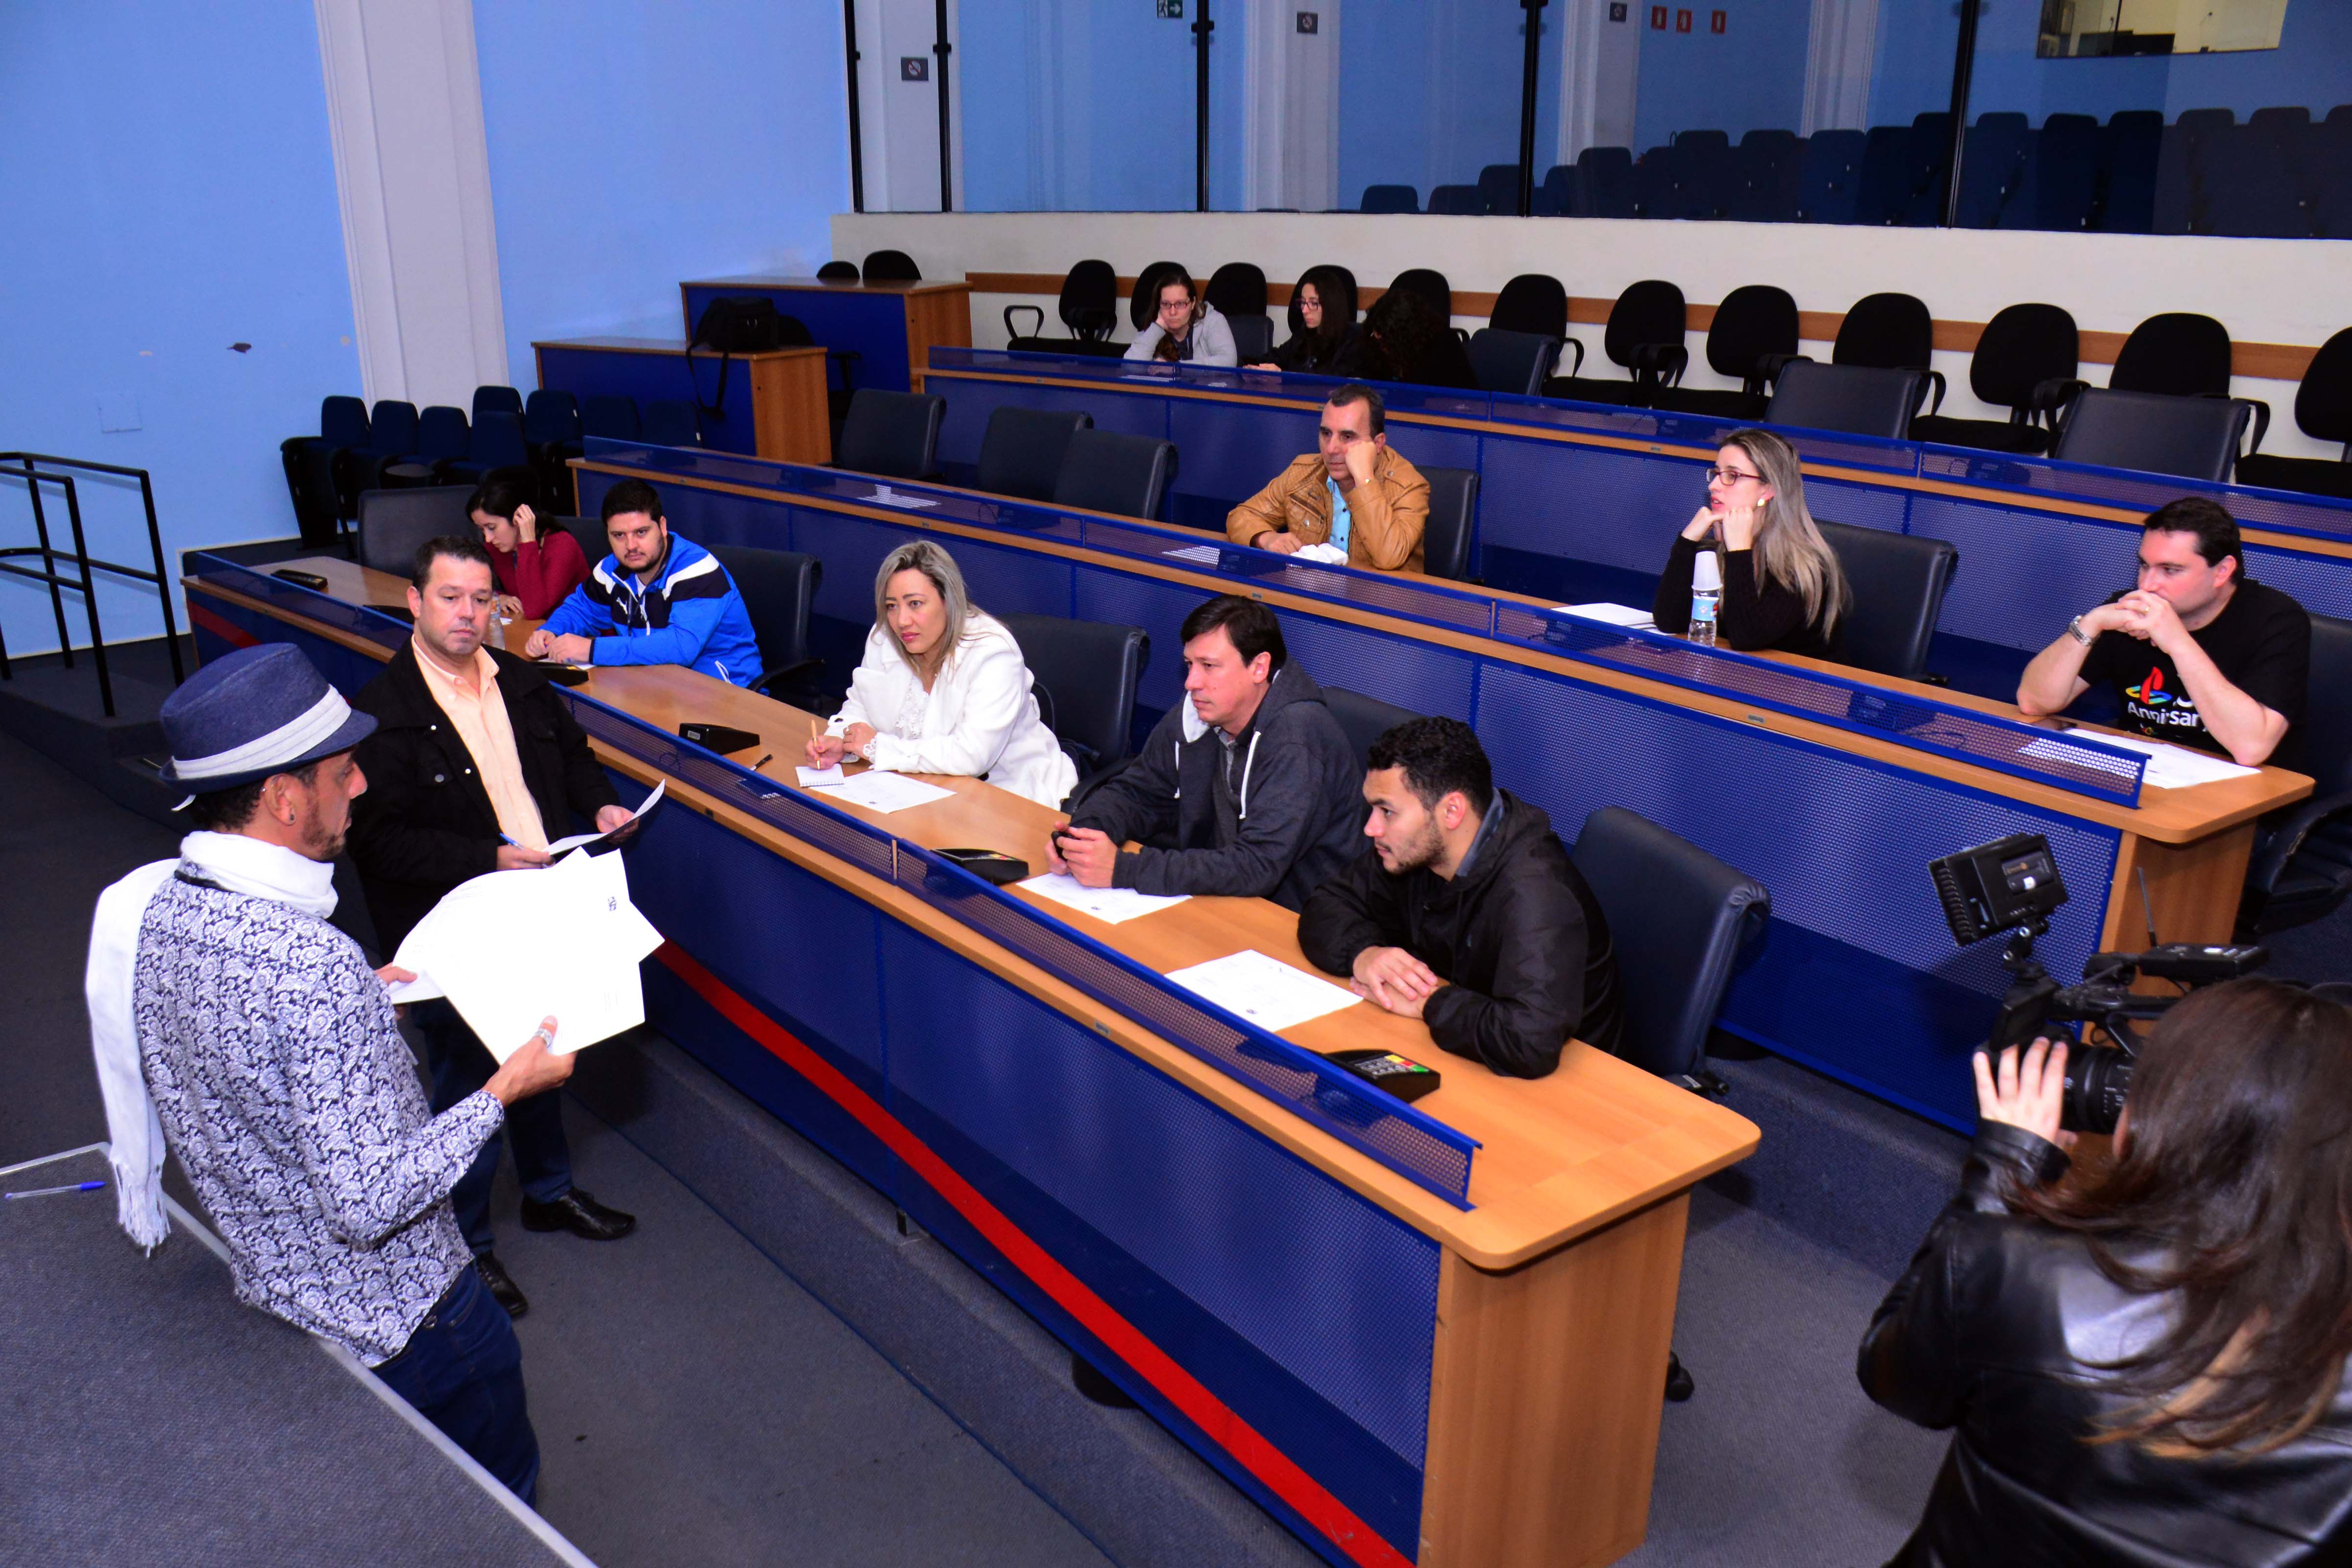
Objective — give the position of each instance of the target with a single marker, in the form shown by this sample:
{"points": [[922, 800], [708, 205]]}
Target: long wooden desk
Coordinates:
{"points": [[1858, 976], [776, 400], [1400, 1378], [891, 327]]}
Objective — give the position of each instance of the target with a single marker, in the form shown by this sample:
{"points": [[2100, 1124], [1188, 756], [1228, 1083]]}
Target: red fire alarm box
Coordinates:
{"points": [[1716, 20], [1682, 21], [1658, 17]]}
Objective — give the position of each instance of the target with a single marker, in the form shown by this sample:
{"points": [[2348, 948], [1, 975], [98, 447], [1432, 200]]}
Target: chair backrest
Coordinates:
{"points": [[2065, 178], [551, 416], [1603, 186], [1090, 670], [838, 272], [1516, 363], [2322, 404], [1994, 162], [1926, 168], [1143, 304], [896, 434], [611, 416], [1854, 399], [1754, 320], [1238, 288], [1829, 176], [1768, 164], [1462, 201], [2196, 437], [1431, 285], [1253, 338], [1531, 302], [779, 589], [1391, 199], [497, 440], [588, 532], [670, 423], [2176, 352], [2130, 146], [1649, 312], [1089, 302], [1103, 471], [1893, 331], [1898, 581], [342, 422], [1364, 720], [1022, 451], [496, 400], [1711, 174], [1556, 196], [1661, 184], [1452, 509], [891, 267], [392, 426], [393, 523], [441, 432], [1678, 919], [2022, 347], [1882, 186], [2328, 710], [1498, 189]]}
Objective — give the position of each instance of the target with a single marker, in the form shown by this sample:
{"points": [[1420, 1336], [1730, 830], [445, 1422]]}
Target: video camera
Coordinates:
{"points": [[2012, 885]]}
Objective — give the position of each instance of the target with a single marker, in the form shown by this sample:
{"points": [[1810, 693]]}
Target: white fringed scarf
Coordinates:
{"points": [[135, 1136]]}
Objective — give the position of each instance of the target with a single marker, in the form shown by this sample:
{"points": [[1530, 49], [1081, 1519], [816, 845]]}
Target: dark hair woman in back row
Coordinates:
{"points": [[1406, 340], [1324, 340], [2143, 1363]]}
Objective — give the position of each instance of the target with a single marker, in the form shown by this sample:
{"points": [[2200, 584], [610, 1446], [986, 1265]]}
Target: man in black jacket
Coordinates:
{"points": [[1466, 912], [1248, 787], [474, 764]]}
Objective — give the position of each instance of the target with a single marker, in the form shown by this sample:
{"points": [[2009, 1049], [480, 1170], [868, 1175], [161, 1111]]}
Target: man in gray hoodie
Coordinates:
{"points": [[1248, 787]]}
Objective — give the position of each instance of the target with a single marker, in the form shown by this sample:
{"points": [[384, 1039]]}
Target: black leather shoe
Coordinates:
{"points": [[503, 1290], [1679, 1383], [581, 1214]]}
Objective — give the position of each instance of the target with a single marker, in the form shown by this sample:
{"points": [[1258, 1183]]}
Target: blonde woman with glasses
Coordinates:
{"points": [[1782, 588], [943, 688]]}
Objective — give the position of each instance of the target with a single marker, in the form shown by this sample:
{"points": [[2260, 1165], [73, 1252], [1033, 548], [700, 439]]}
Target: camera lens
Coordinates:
{"points": [[2098, 1078]]}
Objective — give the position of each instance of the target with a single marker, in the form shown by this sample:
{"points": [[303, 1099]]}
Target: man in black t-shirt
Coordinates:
{"points": [[2198, 654]]}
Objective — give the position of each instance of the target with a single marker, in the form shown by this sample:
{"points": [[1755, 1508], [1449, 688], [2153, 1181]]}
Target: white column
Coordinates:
{"points": [[413, 174], [1838, 60], [1599, 68]]}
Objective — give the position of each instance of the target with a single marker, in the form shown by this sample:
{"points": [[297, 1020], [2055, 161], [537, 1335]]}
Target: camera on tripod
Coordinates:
{"points": [[2012, 885]]}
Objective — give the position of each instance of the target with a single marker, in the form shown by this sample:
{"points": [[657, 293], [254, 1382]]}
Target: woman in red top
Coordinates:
{"points": [[539, 570]]}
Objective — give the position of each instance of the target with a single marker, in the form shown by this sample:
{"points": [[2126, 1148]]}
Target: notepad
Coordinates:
{"points": [[1615, 615], [884, 791], [885, 496], [818, 778], [1112, 906], [1267, 991]]}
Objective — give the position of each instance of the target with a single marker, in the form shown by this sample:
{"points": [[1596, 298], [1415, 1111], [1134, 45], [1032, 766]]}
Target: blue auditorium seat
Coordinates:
{"points": [[2250, 180], [2185, 186], [1391, 199], [1603, 186], [1556, 197], [1458, 200], [1769, 165], [2331, 170], [1661, 184], [1498, 189], [1711, 174], [1883, 190], [2128, 154], [2065, 185], [1994, 162], [1828, 178], [672, 423], [1926, 169]]}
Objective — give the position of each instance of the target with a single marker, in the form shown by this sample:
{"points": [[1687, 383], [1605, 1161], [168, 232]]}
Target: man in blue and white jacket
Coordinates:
{"points": [[655, 599]]}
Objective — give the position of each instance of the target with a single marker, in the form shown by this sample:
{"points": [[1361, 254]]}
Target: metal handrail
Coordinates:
{"points": [[24, 468]]}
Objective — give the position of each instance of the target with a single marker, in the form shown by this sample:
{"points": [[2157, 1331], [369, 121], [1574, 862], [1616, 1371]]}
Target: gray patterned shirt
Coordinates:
{"points": [[293, 1103]]}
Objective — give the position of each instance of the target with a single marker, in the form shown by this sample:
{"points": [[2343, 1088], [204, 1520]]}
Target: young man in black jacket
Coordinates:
{"points": [[1248, 787], [1466, 912], [474, 764]]}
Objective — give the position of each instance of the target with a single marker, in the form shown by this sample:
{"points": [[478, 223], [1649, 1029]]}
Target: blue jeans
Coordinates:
{"points": [[462, 1065], [462, 1371]]}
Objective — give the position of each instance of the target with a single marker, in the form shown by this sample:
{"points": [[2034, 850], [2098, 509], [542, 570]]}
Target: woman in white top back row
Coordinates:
{"points": [[943, 688]]}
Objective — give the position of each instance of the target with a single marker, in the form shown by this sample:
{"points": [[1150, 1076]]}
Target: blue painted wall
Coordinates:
{"points": [[1074, 106], [1429, 94], [167, 189], [1912, 73], [632, 147], [1750, 77]]}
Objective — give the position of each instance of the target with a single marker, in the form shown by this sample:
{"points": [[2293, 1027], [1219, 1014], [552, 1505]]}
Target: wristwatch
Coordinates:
{"points": [[2074, 630]]}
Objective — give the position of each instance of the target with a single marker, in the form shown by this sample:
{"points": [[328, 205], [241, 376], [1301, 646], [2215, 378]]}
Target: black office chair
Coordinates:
{"points": [[588, 532], [1753, 334], [1890, 331], [1143, 304], [551, 429], [891, 267], [1023, 450], [1531, 302], [393, 523], [1237, 291], [2178, 353], [2323, 411], [1898, 581], [838, 272], [894, 434], [2196, 437], [779, 589], [1452, 508], [1103, 471], [1645, 335], [1516, 363], [1431, 285], [2302, 870], [2024, 361], [1364, 720], [1857, 400], [1088, 307], [1085, 674]]}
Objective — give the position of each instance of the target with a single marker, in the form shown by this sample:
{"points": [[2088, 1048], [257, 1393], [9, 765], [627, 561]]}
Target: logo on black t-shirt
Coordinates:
{"points": [[2151, 703]]}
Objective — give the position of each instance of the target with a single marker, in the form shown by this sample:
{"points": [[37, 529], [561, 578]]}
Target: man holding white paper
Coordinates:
{"points": [[475, 758]]}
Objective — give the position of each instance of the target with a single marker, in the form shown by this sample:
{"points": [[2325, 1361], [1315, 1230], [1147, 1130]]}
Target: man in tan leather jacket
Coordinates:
{"points": [[1382, 499]]}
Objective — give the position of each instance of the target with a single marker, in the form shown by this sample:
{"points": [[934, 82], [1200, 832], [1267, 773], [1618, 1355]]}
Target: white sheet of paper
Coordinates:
{"points": [[1615, 615], [812, 778], [577, 839], [1203, 554], [1267, 991], [885, 792], [2168, 766], [420, 989], [1111, 906], [885, 496]]}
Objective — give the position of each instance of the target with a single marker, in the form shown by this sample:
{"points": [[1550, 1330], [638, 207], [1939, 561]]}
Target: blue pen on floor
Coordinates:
{"points": [[45, 1192]]}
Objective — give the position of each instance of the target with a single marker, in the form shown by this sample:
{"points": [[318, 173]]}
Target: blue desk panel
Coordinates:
{"points": [[659, 378], [872, 326]]}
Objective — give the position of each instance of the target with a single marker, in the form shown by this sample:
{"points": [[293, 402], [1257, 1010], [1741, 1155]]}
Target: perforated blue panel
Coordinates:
{"points": [[1435, 446], [1592, 504], [1160, 609], [1229, 452], [2022, 574], [716, 516], [1864, 506], [2319, 583], [851, 550], [1852, 865]]}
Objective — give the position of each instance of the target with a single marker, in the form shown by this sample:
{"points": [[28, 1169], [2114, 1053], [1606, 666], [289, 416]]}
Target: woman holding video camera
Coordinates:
{"points": [[2144, 1364]]}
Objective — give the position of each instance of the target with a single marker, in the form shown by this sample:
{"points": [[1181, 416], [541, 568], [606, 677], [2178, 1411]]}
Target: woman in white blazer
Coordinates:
{"points": [[943, 689]]}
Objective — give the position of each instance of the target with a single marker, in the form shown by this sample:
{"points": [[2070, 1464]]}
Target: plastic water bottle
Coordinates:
{"points": [[1707, 593]]}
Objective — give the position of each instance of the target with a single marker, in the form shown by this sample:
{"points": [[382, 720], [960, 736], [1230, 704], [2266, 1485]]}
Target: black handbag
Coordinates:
{"points": [[732, 324]]}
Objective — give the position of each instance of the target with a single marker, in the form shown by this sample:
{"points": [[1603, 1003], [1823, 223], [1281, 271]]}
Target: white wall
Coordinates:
{"points": [[2264, 290]]}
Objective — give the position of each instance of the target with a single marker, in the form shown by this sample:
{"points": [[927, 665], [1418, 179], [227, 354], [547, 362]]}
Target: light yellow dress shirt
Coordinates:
{"points": [[478, 713]]}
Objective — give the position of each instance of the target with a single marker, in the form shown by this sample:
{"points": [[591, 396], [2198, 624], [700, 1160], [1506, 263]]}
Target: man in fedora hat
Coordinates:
{"points": [[230, 1020]]}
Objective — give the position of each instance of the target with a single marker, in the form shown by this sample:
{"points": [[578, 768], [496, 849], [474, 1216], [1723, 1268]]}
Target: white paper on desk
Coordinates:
{"points": [[1326, 554], [1112, 906], [1202, 554], [885, 496], [2168, 766], [1267, 991], [1615, 615], [876, 790], [564, 846], [513, 947], [815, 778]]}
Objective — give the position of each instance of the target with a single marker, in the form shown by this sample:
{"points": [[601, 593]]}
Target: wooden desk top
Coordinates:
{"points": [[671, 346], [886, 285], [1562, 1155]]}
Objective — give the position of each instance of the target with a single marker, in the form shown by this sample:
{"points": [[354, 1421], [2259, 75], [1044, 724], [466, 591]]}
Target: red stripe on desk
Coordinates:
{"points": [[227, 631], [1179, 1387]]}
